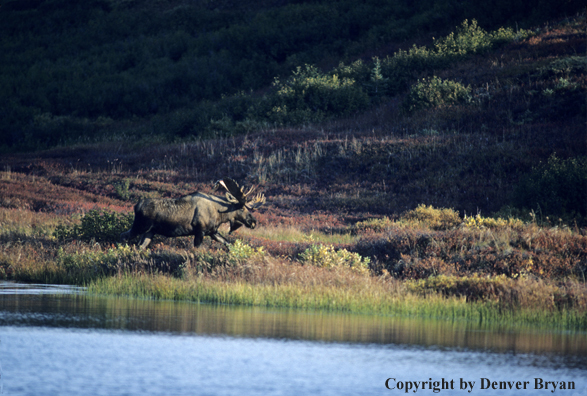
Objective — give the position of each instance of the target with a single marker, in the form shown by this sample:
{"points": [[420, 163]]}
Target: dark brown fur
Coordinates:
{"points": [[196, 214]]}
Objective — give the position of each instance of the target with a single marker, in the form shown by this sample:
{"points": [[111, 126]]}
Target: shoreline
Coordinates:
{"points": [[331, 299]]}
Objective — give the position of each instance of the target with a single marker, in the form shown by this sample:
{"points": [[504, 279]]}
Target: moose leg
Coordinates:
{"points": [[125, 236], [235, 226], [145, 240], [219, 238], [198, 238]]}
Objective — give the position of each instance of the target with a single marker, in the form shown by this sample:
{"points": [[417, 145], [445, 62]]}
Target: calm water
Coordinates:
{"points": [[56, 341]]}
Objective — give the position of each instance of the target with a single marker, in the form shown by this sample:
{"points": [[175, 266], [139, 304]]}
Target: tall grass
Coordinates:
{"points": [[375, 300]]}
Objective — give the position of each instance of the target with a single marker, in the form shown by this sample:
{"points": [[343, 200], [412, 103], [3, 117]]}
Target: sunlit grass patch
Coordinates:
{"points": [[375, 225], [26, 223], [295, 234], [479, 221], [507, 292]]}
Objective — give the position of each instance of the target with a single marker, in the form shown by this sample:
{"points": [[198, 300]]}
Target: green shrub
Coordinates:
{"points": [[122, 189], [479, 222], [400, 69], [310, 95], [434, 92], [403, 67], [468, 39], [240, 252], [565, 66], [357, 71], [374, 225], [97, 225], [436, 219], [327, 257], [555, 188]]}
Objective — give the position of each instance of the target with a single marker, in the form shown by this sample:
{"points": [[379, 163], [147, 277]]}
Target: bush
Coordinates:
{"points": [[309, 95], [469, 39], [556, 188], [400, 69], [240, 252], [97, 225], [325, 256], [436, 219], [93, 263], [488, 222], [434, 92], [372, 225], [565, 67]]}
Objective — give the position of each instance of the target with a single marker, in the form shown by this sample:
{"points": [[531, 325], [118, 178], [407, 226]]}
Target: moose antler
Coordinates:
{"points": [[255, 202], [236, 194]]}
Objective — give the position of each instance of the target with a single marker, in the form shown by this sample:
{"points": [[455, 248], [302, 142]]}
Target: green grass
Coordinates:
{"points": [[331, 298]]}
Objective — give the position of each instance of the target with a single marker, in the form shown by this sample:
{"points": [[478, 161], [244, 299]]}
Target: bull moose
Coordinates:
{"points": [[197, 214]]}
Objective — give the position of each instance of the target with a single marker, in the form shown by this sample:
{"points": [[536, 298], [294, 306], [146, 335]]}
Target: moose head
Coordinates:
{"points": [[244, 202]]}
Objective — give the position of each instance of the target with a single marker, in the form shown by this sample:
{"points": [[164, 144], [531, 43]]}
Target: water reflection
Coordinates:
{"points": [[76, 310], [7, 287]]}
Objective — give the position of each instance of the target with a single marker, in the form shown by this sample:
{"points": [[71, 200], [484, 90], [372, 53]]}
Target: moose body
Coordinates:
{"points": [[197, 214]]}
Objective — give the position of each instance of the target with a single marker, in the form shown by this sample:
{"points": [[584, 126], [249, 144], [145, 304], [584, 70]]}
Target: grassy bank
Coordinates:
{"points": [[376, 299]]}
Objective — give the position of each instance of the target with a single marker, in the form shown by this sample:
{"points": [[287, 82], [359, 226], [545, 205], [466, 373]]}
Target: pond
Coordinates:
{"points": [[55, 340]]}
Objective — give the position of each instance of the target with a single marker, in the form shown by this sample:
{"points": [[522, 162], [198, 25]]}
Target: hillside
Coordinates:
{"points": [[87, 71], [520, 117]]}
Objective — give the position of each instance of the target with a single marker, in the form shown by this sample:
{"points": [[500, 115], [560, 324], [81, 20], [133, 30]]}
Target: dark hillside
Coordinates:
{"points": [[515, 141], [81, 70]]}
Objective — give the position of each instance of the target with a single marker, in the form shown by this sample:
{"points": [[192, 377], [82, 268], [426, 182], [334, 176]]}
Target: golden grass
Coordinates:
{"points": [[376, 299]]}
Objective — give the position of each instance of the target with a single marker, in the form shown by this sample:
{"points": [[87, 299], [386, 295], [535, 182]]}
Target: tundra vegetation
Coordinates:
{"points": [[413, 163]]}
